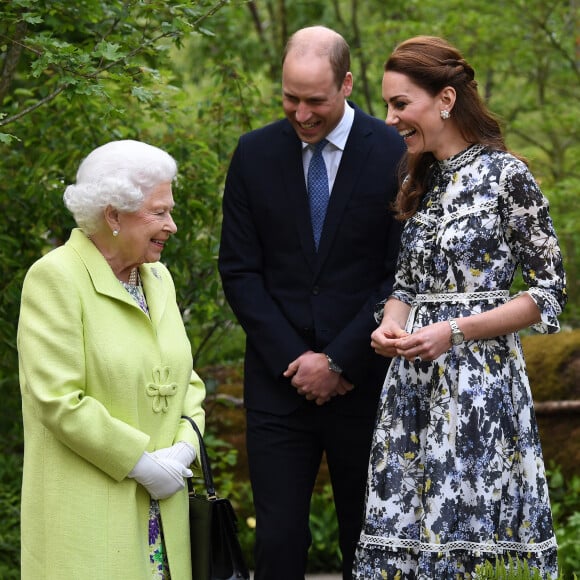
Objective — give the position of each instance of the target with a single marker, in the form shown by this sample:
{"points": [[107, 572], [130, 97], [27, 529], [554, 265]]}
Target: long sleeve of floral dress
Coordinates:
{"points": [[531, 236]]}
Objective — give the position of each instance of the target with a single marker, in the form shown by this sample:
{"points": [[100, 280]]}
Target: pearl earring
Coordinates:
{"points": [[445, 114], [115, 233]]}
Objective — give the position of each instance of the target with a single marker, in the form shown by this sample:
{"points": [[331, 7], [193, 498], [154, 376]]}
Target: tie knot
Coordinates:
{"points": [[318, 147]]}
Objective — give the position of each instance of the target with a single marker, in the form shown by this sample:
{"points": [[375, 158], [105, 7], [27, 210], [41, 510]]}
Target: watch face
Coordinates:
{"points": [[457, 338]]}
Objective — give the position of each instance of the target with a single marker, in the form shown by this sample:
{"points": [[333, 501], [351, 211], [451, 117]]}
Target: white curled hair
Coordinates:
{"points": [[120, 174]]}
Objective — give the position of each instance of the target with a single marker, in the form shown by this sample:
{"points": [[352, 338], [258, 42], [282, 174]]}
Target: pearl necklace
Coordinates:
{"points": [[134, 277]]}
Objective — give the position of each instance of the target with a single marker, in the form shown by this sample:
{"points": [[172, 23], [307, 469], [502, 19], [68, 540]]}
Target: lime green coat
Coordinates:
{"points": [[101, 383]]}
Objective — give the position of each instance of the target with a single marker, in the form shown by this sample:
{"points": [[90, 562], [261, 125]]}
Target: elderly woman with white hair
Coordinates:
{"points": [[106, 375]]}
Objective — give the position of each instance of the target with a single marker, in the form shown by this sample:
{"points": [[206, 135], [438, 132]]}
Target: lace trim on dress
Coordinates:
{"points": [[461, 159], [549, 308], [425, 219], [489, 295], [436, 220], [476, 209], [473, 547]]}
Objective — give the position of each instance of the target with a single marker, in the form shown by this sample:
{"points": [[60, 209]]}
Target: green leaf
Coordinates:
{"points": [[109, 51]]}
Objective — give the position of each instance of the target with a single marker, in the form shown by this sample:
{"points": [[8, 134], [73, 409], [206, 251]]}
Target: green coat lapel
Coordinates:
{"points": [[105, 282], [156, 292]]}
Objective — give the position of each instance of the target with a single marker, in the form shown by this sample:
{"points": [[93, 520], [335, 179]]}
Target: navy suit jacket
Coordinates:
{"points": [[289, 298]]}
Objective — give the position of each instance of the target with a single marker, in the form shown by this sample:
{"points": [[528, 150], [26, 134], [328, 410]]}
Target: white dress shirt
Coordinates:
{"points": [[332, 153]]}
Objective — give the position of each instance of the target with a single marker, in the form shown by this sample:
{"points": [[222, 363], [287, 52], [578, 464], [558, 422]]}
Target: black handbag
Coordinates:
{"points": [[216, 553]]}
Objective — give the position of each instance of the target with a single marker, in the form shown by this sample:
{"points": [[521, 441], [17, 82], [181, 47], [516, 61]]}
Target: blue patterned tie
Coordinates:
{"points": [[318, 190]]}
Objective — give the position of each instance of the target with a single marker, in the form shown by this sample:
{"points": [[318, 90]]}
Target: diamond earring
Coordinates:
{"points": [[445, 114]]}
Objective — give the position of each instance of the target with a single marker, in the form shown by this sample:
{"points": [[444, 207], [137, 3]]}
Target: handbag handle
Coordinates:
{"points": [[204, 459]]}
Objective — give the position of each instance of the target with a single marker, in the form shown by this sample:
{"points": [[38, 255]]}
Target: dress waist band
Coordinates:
{"points": [[461, 296]]}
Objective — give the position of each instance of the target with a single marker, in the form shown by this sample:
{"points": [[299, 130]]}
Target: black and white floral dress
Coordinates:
{"points": [[456, 474]]}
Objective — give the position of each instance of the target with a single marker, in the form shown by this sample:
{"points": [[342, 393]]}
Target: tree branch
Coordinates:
{"points": [[551, 37], [31, 108], [361, 57], [554, 407], [94, 75], [12, 58], [253, 8], [213, 10]]}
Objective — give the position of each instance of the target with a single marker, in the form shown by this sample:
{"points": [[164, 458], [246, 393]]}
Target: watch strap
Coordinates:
{"points": [[332, 366]]}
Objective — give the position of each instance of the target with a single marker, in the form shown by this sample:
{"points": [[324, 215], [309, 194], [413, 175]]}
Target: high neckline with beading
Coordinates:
{"points": [[461, 159]]}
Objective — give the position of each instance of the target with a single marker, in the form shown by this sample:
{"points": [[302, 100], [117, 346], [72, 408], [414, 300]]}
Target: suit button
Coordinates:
{"points": [[316, 290]]}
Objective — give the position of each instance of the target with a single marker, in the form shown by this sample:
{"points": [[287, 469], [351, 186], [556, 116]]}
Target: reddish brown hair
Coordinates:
{"points": [[433, 64]]}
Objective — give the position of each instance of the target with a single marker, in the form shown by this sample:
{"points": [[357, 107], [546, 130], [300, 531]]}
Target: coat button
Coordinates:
{"points": [[316, 290]]}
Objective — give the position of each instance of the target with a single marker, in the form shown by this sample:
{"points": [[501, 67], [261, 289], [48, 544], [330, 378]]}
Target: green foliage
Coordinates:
{"points": [[569, 547], [565, 498], [10, 476], [222, 458], [563, 196], [324, 554], [241, 498], [513, 570]]}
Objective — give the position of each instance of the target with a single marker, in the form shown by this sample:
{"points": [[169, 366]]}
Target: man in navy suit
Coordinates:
{"points": [[312, 381]]}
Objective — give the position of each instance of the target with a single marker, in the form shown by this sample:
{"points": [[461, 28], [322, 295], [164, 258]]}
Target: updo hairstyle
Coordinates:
{"points": [[120, 174], [433, 64]]}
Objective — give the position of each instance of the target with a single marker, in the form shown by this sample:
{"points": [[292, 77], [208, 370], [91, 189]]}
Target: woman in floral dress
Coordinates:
{"points": [[456, 474]]}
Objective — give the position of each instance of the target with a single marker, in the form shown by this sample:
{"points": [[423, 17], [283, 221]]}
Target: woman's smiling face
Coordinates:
{"points": [[414, 113], [146, 230]]}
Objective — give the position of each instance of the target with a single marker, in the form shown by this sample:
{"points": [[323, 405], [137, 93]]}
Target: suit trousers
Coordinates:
{"points": [[284, 454]]}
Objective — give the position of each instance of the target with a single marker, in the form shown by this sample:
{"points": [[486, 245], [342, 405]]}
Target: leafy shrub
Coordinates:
{"points": [[513, 570], [10, 478], [569, 547], [324, 552], [565, 498]]}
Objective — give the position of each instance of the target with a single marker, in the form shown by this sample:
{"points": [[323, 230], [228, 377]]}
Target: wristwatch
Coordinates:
{"points": [[332, 366], [457, 337]]}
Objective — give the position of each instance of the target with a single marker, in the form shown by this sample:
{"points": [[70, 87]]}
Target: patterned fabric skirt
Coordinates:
{"points": [[456, 476], [157, 553]]}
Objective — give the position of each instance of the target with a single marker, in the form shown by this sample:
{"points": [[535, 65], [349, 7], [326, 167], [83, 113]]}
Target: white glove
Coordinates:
{"points": [[181, 451], [160, 477]]}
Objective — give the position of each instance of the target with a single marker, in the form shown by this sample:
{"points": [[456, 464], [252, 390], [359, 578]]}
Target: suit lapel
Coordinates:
{"points": [[355, 152], [293, 179], [351, 164]]}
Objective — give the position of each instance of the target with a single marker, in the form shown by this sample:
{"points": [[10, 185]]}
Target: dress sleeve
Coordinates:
{"points": [[404, 286], [531, 236]]}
